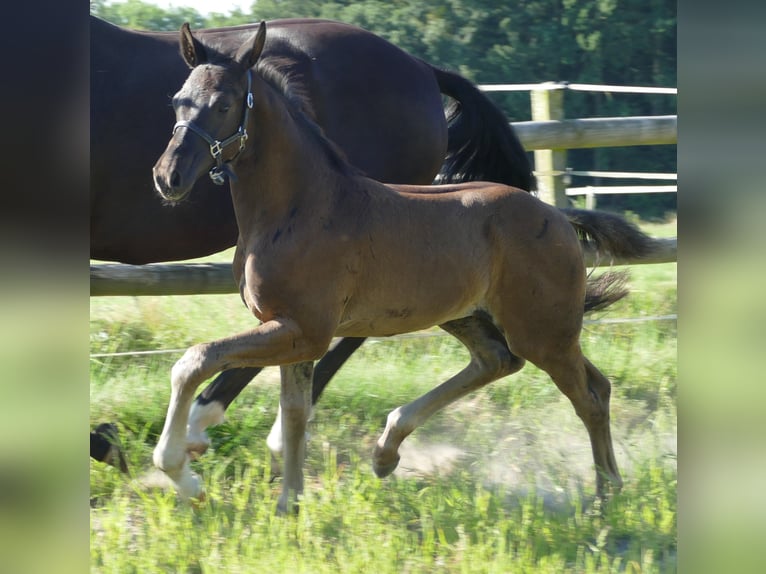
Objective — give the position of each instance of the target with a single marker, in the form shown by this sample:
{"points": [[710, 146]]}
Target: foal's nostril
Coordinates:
{"points": [[175, 179]]}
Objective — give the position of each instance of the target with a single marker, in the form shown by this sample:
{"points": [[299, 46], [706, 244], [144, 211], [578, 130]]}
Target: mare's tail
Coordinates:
{"points": [[609, 234], [482, 145]]}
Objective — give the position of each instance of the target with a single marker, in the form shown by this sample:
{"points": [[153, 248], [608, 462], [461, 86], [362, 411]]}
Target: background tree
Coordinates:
{"points": [[614, 42]]}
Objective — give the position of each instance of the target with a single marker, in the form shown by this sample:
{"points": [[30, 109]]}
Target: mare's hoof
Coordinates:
{"points": [[105, 446]]}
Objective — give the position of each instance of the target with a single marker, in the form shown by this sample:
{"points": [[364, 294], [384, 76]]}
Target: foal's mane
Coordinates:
{"points": [[281, 73]]}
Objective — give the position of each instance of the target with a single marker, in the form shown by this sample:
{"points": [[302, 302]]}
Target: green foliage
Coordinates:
{"points": [[615, 42], [141, 15], [518, 496]]}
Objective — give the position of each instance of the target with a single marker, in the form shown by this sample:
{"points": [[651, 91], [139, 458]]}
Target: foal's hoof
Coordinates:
{"points": [[291, 509], [189, 486], [197, 445], [198, 501], [382, 465], [276, 467], [607, 487]]}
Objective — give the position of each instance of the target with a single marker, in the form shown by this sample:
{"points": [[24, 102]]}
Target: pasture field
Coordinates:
{"points": [[499, 482]]}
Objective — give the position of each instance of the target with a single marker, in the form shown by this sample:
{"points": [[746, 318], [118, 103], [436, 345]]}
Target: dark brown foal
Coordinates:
{"points": [[324, 251]]}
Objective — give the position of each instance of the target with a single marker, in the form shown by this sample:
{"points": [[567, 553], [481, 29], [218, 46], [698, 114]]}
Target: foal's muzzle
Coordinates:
{"points": [[169, 187]]}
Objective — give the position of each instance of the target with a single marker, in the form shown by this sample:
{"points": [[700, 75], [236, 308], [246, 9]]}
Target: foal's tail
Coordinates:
{"points": [[482, 145], [609, 234]]}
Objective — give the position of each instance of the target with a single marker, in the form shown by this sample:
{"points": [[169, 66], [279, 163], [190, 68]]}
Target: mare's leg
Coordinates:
{"points": [[275, 342], [491, 359], [211, 404], [333, 360], [295, 406], [323, 372], [589, 392]]}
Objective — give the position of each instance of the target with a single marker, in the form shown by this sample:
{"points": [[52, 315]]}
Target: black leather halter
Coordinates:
{"points": [[221, 170]]}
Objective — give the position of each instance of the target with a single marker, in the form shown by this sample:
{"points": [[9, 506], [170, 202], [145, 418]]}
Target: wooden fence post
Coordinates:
{"points": [[590, 201], [548, 104]]}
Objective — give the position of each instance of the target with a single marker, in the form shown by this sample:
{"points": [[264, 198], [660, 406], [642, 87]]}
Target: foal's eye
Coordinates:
{"points": [[223, 108]]}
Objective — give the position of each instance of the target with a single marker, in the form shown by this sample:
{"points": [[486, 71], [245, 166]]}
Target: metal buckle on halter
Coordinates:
{"points": [[216, 149], [242, 139]]}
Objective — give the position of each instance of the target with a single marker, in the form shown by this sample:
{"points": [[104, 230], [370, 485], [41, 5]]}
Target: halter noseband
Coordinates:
{"points": [[219, 171]]}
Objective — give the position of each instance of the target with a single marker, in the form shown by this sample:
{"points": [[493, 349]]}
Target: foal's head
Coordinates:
{"points": [[212, 111]]}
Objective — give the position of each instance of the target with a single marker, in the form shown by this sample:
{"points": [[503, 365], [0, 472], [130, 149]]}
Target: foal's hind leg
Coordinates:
{"points": [[491, 359], [589, 391], [324, 370]]}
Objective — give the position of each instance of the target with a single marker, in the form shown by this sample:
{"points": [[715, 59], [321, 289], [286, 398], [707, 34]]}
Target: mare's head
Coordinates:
{"points": [[212, 111]]}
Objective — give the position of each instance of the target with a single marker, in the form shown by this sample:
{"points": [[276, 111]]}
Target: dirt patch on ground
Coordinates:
{"points": [[543, 449]]}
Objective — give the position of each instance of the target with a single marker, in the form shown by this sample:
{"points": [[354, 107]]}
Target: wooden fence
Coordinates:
{"points": [[547, 101], [548, 134], [217, 278]]}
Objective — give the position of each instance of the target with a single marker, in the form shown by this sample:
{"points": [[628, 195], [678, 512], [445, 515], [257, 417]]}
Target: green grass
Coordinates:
{"points": [[499, 482]]}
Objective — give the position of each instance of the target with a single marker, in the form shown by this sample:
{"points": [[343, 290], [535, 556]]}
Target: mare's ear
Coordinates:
{"points": [[191, 49], [249, 53]]}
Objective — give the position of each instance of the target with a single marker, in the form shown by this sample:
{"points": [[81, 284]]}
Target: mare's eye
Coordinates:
{"points": [[223, 108]]}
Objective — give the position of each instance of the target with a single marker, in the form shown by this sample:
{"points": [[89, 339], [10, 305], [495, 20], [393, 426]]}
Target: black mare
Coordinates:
{"points": [[383, 107]]}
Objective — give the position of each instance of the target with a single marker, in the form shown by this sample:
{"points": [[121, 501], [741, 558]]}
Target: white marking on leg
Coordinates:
{"points": [[170, 453], [274, 440], [201, 417]]}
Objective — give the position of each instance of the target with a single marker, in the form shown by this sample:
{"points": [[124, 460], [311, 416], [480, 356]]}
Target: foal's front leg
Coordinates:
{"points": [[170, 454], [275, 342]]}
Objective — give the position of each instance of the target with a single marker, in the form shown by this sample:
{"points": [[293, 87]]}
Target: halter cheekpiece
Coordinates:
{"points": [[221, 170]]}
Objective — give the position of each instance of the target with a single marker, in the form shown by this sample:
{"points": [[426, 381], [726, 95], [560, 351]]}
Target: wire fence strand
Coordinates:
{"points": [[416, 335]]}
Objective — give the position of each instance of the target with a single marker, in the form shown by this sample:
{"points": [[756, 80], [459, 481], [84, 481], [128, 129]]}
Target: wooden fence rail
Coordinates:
{"points": [[549, 136], [216, 278], [597, 132]]}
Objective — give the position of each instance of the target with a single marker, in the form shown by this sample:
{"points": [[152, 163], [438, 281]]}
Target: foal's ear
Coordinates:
{"points": [[249, 53], [191, 49]]}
